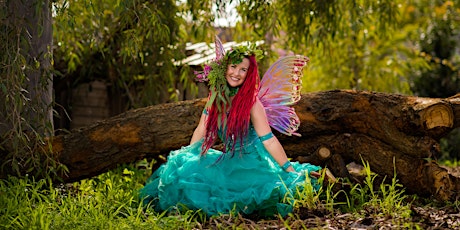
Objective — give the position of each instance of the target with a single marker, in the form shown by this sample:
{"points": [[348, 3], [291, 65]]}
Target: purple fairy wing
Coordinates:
{"points": [[220, 51], [279, 90]]}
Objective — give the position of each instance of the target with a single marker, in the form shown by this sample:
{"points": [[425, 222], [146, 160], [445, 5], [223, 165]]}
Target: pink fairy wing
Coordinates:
{"points": [[220, 51], [279, 90]]}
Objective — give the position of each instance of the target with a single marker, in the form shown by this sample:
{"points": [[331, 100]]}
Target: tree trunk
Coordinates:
{"points": [[33, 22], [28, 29], [26, 79], [393, 133]]}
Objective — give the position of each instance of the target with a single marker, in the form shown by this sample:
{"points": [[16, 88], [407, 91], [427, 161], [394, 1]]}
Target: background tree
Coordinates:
{"points": [[130, 44], [438, 41], [363, 47], [25, 84]]}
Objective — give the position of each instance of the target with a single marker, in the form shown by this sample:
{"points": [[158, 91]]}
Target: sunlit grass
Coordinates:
{"points": [[450, 162], [109, 201]]}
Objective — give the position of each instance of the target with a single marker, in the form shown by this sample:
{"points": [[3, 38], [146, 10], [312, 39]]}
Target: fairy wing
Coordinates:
{"points": [[279, 90], [220, 51]]}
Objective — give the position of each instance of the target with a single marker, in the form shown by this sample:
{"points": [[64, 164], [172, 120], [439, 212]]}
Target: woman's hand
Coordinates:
{"points": [[328, 176], [315, 174], [290, 169]]}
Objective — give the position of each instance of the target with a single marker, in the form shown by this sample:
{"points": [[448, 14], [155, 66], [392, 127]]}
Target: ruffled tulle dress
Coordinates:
{"points": [[249, 182]]}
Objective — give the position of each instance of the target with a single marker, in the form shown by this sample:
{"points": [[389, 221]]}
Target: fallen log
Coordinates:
{"points": [[398, 120], [137, 134], [394, 133], [418, 175]]}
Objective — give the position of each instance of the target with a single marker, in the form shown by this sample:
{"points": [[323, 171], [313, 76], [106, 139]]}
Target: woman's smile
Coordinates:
{"points": [[236, 73]]}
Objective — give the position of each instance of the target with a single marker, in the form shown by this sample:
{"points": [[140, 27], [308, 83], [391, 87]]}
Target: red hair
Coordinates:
{"points": [[239, 115]]}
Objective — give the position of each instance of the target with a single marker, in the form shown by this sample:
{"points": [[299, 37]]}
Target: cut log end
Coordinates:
{"points": [[317, 158], [324, 153], [438, 115]]}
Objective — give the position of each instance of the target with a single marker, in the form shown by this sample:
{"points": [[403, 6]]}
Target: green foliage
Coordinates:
{"points": [[438, 42], [107, 201], [237, 54], [306, 196], [368, 46], [25, 89], [392, 196], [371, 55], [450, 146], [365, 61], [131, 44], [365, 47], [386, 201], [450, 162], [437, 39]]}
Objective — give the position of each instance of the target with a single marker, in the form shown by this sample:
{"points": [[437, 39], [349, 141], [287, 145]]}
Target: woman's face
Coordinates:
{"points": [[236, 73]]}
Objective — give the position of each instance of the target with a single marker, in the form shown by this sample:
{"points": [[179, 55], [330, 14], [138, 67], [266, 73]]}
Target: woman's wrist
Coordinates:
{"points": [[286, 166]]}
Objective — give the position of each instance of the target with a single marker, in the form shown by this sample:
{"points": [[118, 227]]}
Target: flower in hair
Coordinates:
{"points": [[203, 75]]}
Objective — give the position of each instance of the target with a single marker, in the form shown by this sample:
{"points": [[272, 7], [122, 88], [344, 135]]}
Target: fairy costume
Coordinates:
{"points": [[243, 177]]}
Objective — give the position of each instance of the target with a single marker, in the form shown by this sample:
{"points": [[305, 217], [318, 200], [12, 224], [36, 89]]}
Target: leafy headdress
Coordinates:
{"points": [[214, 73]]}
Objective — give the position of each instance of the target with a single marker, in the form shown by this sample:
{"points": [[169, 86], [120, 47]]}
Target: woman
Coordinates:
{"points": [[252, 173]]}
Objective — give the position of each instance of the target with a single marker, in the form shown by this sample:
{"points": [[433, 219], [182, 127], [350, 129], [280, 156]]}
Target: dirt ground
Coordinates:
{"points": [[422, 217]]}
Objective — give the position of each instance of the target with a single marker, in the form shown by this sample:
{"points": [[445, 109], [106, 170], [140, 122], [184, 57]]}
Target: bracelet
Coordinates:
{"points": [[266, 137], [286, 165]]}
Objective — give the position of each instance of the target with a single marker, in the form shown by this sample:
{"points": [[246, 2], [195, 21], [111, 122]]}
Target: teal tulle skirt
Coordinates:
{"points": [[250, 181]]}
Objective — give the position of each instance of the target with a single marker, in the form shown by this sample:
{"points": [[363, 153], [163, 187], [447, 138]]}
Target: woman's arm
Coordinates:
{"points": [[273, 146], [200, 129]]}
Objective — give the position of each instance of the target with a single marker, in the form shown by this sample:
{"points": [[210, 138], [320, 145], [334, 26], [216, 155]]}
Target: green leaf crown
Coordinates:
{"points": [[218, 68]]}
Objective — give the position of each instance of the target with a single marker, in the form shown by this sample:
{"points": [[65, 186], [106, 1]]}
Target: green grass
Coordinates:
{"points": [[109, 201], [450, 162]]}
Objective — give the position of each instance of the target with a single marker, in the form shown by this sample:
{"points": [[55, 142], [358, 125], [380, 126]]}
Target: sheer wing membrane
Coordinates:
{"points": [[280, 89], [220, 51]]}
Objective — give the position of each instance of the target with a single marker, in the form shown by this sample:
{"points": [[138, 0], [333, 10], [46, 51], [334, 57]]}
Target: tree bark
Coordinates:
{"points": [[28, 28], [33, 21], [148, 132], [393, 133]]}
